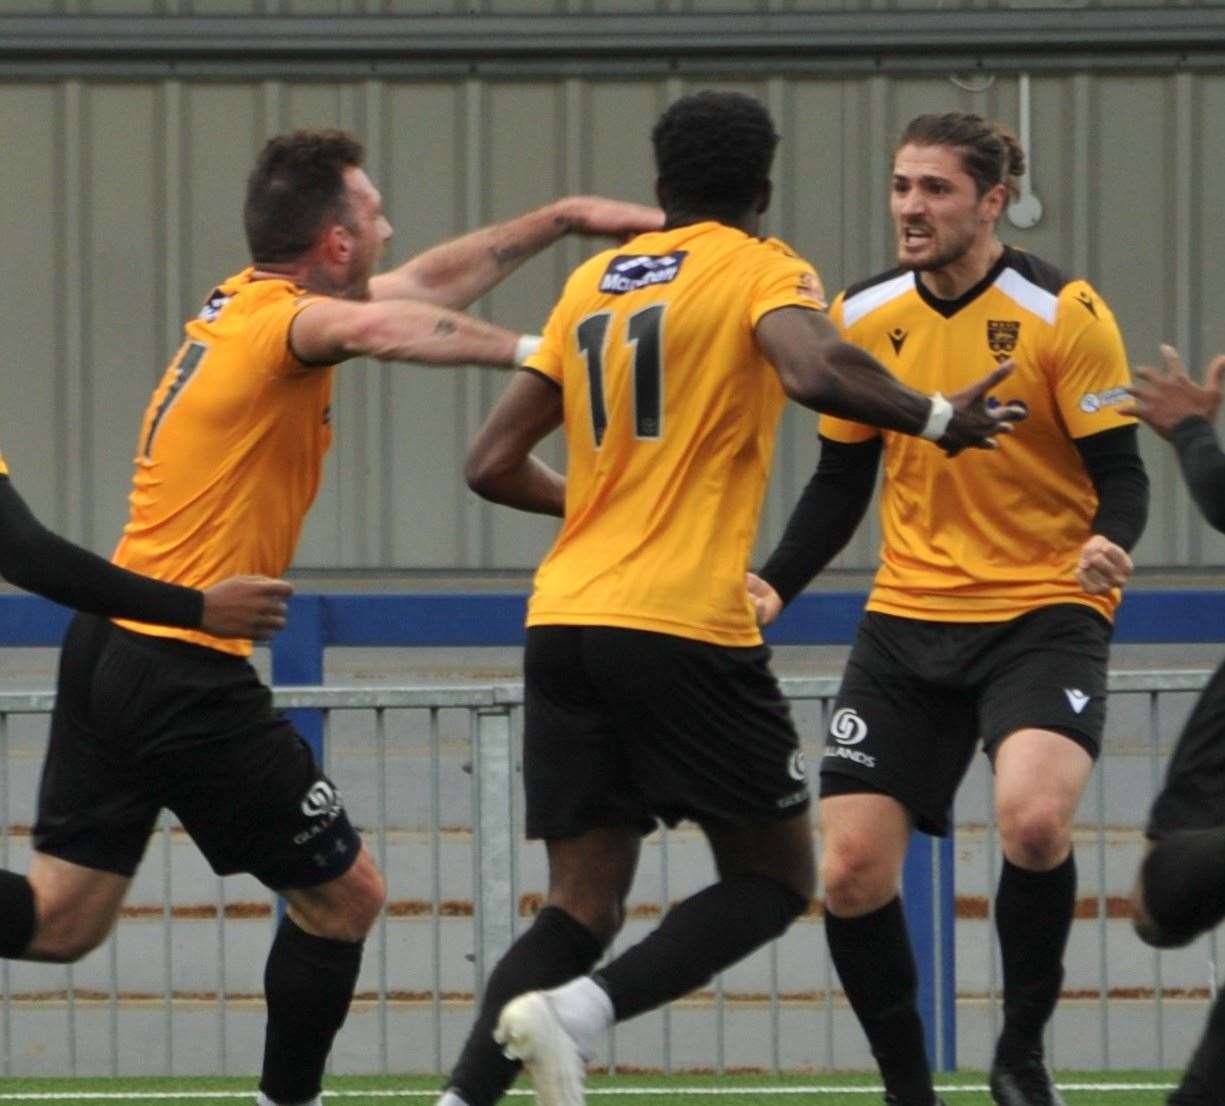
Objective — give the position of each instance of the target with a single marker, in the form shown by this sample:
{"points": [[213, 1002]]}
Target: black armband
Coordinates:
{"points": [[42, 562], [1203, 467], [826, 515], [1112, 460]]}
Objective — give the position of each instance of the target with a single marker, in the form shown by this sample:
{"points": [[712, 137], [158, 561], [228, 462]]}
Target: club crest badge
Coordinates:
{"points": [[1002, 336]]}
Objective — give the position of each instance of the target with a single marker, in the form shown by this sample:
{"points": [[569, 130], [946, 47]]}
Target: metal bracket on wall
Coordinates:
{"points": [[1026, 210]]}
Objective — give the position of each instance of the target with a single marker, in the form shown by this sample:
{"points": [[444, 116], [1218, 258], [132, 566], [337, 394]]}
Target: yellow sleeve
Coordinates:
{"points": [[829, 426], [1088, 363], [549, 358], [784, 280], [4, 468], [267, 335]]}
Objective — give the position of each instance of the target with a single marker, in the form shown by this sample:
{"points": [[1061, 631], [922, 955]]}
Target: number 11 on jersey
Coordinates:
{"points": [[644, 332]]}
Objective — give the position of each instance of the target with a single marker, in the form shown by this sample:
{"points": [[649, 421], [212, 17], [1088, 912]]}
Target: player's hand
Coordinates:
{"points": [[246, 606], [976, 420], [765, 600], [612, 218], [1102, 566], [1164, 397]]}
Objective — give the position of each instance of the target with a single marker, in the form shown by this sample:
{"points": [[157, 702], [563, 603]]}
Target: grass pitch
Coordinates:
{"points": [[963, 1089]]}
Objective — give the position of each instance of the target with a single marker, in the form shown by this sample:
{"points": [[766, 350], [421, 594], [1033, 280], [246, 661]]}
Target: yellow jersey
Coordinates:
{"points": [[231, 448], [989, 535], [670, 416]]}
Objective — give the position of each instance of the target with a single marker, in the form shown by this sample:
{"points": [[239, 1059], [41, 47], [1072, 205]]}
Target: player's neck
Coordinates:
{"points": [[954, 280], [272, 270], [313, 277], [749, 223]]}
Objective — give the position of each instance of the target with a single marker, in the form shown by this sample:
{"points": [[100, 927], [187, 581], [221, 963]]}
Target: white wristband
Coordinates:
{"points": [[525, 347], [938, 418]]}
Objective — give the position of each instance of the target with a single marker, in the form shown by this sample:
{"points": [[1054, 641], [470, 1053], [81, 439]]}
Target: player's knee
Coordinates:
{"points": [[63, 939], [1159, 912], [350, 907], [1155, 936], [363, 905], [1035, 834], [1153, 932], [856, 878], [602, 915]]}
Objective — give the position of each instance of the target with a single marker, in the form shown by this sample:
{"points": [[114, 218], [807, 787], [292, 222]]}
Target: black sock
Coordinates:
{"points": [[1184, 884], [697, 938], [308, 985], [554, 949], [18, 919], [1033, 914], [876, 965], [1206, 1071]]}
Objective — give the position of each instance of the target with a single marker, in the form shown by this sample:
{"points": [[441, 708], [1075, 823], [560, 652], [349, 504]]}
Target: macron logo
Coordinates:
{"points": [[629, 273], [1077, 699]]}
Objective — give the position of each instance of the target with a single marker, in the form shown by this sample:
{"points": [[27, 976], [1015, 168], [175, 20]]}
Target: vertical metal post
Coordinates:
{"points": [[165, 831], [297, 658], [493, 779], [665, 898], [436, 886], [222, 982], [1103, 993], [930, 907], [6, 979], [380, 735], [1154, 730]]}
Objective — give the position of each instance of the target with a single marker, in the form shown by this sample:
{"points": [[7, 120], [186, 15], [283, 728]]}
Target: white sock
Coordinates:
{"points": [[264, 1100], [584, 1010], [451, 1097]]}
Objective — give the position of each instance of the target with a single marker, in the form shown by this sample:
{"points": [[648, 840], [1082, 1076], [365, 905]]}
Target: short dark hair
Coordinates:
{"points": [[713, 151], [296, 188], [990, 152]]}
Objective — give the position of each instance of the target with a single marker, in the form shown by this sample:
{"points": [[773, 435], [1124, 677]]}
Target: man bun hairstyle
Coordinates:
{"points": [[296, 189], [990, 152], [713, 152]]}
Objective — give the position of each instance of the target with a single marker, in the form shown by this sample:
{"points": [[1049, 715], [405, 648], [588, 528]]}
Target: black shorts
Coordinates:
{"points": [[142, 723], [917, 696], [1193, 796], [626, 726]]}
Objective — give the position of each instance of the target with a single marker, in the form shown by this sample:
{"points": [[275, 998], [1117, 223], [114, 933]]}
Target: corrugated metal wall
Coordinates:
{"points": [[538, 7], [119, 208]]}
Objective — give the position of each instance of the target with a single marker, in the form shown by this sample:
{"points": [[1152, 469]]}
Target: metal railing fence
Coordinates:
{"points": [[430, 775]]}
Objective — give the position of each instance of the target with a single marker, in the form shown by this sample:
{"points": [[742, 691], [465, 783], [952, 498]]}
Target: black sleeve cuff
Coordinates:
{"points": [[1203, 467], [826, 515], [1112, 460], [34, 558]]}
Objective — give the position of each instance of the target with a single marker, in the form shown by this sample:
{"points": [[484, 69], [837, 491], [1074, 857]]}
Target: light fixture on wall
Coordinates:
{"points": [[1026, 210]]}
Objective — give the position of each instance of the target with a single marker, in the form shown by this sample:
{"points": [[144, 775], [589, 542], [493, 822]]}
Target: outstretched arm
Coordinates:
{"points": [[327, 331], [500, 465], [34, 558], [821, 371], [456, 273]]}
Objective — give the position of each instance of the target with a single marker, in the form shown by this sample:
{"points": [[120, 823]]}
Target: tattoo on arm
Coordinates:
{"points": [[509, 255], [444, 326]]}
